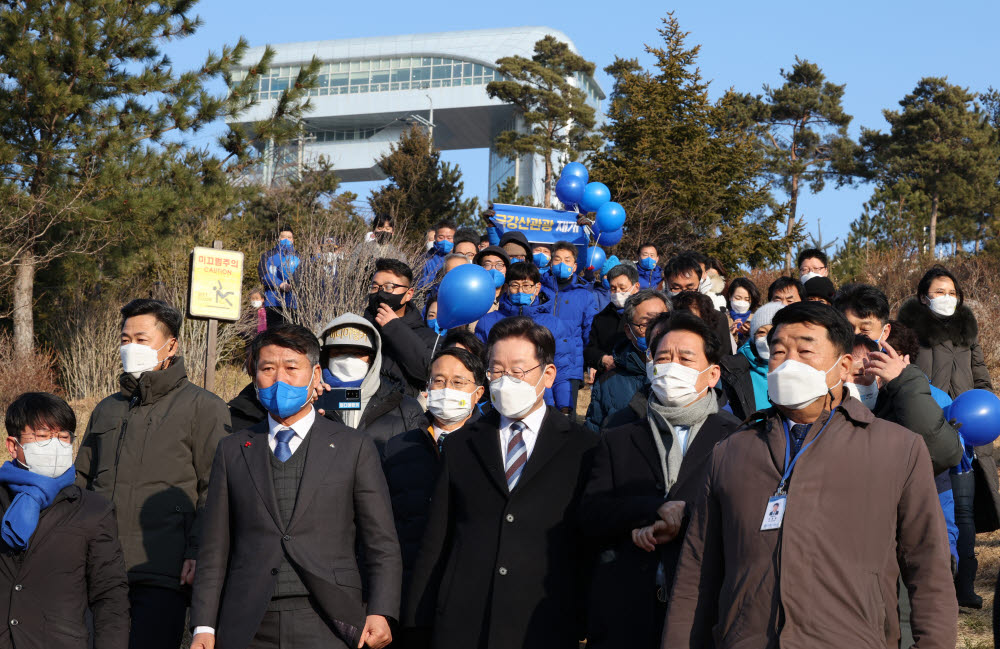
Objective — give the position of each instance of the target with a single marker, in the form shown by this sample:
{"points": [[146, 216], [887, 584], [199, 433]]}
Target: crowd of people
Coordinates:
{"points": [[756, 468]]}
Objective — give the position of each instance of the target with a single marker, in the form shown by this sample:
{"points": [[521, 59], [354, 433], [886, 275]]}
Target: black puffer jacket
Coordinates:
{"points": [[245, 410], [737, 385], [607, 330], [407, 345], [388, 413]]}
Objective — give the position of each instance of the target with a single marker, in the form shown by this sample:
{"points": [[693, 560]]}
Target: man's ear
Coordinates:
{"points": [[549, 376], [12, 447], [477, 394], [846, 364], [714, 374], [888, 331], [407, 296]]}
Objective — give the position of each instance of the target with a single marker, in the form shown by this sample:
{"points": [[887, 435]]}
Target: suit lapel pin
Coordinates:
{"points": [[247, 445], [332, 446]]}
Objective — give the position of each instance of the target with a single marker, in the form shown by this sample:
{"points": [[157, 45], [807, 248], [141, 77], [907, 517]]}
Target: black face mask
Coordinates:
{"points": [[383, 237], [394, 300]]}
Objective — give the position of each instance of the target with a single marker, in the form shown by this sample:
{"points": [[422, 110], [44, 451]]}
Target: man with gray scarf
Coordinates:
{"points": [[351, 358], [646, 477]]}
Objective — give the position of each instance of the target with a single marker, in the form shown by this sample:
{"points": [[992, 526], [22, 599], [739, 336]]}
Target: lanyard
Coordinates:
{"points": [[788, 451]]}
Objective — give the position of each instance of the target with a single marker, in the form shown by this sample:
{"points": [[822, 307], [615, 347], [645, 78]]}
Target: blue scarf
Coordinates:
{"points": [[34, 493], [334, 382]]}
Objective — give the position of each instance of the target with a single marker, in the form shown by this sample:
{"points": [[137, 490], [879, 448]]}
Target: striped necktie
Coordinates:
{"points": [[440, 441], [517, 455]]}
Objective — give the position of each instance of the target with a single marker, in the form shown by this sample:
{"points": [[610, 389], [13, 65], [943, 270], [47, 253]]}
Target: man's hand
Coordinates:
{"points": [[672, 515], [647, 538], [187, 572], [591, 375], [203, 641], [608, 362], [886, 366], [385, 315], [317, 393], [284, 286], [376, 633]]}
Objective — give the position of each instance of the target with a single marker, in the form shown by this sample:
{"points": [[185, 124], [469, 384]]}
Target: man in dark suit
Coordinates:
{"points": [[501, 564], [288, 500], [649, 472]]}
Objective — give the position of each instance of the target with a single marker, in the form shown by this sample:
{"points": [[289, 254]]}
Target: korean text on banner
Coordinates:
{"points": [[538, 224]]}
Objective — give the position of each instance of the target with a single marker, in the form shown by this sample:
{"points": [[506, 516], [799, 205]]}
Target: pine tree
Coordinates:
{"points": [[422, 190], [553, 109], [803, 133], [686, 173], [942, 145]]}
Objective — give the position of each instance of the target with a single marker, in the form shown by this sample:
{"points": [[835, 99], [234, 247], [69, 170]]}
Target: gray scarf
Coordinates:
{"points": [[663, 419]]}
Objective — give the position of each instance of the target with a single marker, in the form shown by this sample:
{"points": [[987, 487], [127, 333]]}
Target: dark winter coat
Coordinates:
{"points": [[388, 413], [407, 345], [951, 357], [606, 331], [737, 384], [73, 563], [500, 569], [625, 488], [613, 390], [148, 449], [575, 304], [245, 410]]}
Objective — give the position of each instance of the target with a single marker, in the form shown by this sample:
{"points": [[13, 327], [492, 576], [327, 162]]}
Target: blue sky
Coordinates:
{"points": [[879, 49]]}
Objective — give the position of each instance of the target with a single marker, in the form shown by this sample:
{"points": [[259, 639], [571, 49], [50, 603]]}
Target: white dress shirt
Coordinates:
{"points": [[532, 425], [301, 428]]}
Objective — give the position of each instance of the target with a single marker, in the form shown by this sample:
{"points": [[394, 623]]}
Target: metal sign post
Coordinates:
{"points": [[216, 289]]}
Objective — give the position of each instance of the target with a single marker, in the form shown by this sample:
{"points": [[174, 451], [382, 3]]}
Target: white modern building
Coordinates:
{"points": [[372, 89]]}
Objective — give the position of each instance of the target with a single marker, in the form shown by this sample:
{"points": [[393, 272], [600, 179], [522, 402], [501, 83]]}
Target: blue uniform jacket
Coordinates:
{"points": [[576, 305], [650, 278], [276, 266]]}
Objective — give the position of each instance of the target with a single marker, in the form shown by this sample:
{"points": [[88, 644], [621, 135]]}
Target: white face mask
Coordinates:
{"points": [[705, 285], [739, 306], [619, 298], [449, 406], [673, 383], [137, 358], [866, 394], [795, 385], [429, 245], [347, 367], [513, 398], [763, 351], [807, 276], [944, 305], [257, 304], [50, 459]]}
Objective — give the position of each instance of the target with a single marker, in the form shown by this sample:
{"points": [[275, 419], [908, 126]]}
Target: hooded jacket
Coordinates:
{"points": [[407, 346], [385, 411], [574, 303], [148, 449], [245, 410], [744, 380], [650, 278], [613, 390], [275, 267], [541, 312]]}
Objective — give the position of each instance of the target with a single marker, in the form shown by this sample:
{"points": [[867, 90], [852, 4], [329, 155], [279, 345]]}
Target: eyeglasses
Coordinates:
{"points": [[641, 326], [521, 288], [388, 287], [456, 383], [44, 437], [499, 265], [495, 373], [814, 269]]}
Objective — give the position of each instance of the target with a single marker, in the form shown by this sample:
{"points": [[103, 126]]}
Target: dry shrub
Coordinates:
{"points": [[37, 373]]}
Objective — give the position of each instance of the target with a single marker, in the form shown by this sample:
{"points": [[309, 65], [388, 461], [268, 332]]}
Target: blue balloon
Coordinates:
{"points": [[595, 258], [979, 413], [610, 217], [576, 170], [569, 190], [594, 195], [466, 294], [609, 238]]}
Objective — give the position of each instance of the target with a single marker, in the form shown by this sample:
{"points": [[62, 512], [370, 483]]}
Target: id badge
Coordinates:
{"points": [[774, 513]]}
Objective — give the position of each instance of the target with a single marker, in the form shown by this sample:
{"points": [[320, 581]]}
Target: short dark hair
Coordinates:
{"points": [[285, 227], [861, 340], [838, 328], [290, 336], [472, 362], [744, 283], [526, 328], [903, 339], [444, 223], [466, 235], [864, 300], [465, 338], [783, 283], [383, 220], [933, 273], [565, 245], [168, 319], [649, 244], [700, 259], [521, 270], [628, 270], [812, 253], [685, 300], [484, 238], [394, 266], [680, 265], [38, 409], [684, 321]]}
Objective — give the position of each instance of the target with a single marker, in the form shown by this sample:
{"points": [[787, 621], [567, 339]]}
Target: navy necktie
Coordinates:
{"points": [[798, 434], [440, 440], [282, 450]]}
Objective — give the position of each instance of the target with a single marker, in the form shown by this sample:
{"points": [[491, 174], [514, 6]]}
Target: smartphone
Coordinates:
{"points": [[346, 398]]}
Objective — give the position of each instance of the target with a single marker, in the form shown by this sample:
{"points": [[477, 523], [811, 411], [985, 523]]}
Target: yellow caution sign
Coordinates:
{"points": [[216, 284]]}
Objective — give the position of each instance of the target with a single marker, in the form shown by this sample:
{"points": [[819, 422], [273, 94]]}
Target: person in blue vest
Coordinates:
{"points": [[277, 270], [650, 273], [573, 302], [444, 242], [522, 295]]}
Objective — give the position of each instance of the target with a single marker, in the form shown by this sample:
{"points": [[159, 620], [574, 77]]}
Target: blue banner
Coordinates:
{"points": [[538, 224]]}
